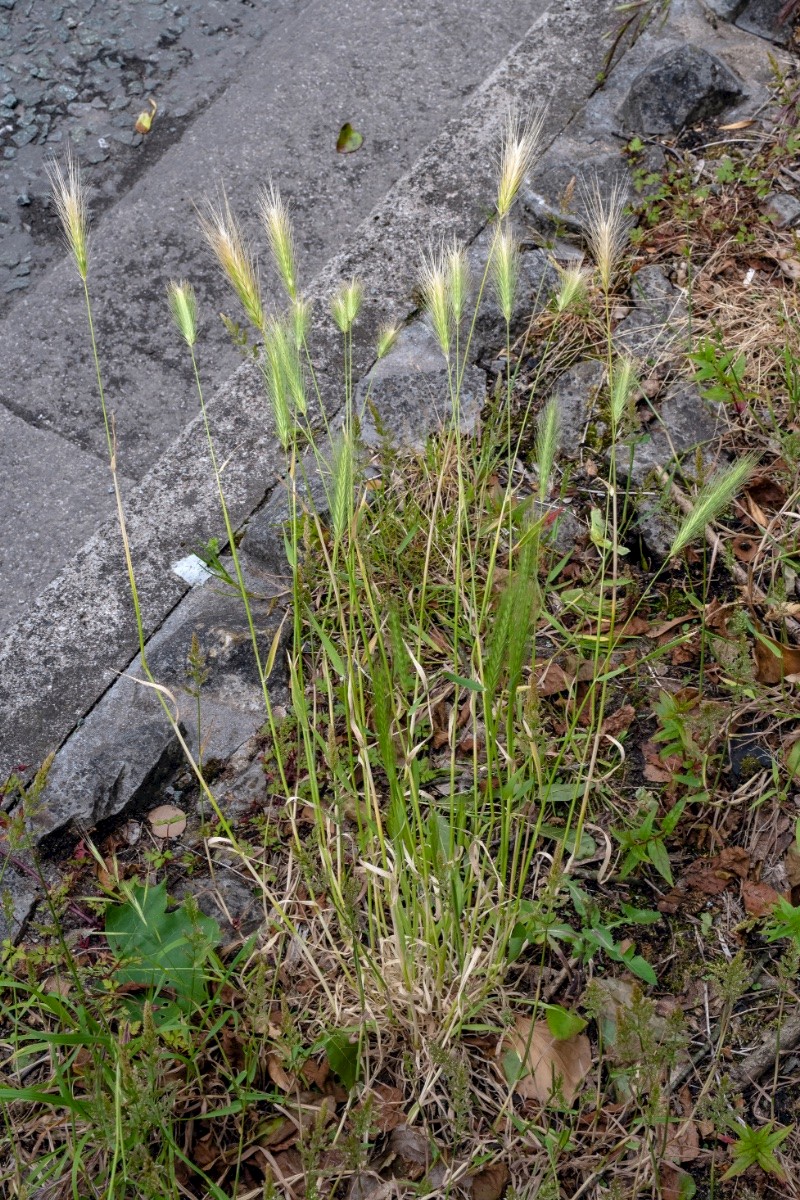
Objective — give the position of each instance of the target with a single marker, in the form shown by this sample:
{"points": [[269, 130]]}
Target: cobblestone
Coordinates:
{"points": [[75, 70]]}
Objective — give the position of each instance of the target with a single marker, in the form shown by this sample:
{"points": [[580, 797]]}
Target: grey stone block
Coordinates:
{"points": [[657, 325], [266, 529], [761, 17], [726, 10], [685, 422], [406, 396], [783, 208], [682, 87], [536, 281], [126, 747], [230, 898], [18, 897], [575, 394]]}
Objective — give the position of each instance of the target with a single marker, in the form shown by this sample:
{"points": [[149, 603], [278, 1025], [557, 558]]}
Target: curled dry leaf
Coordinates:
{"points": [[551, 678], [167, 821], [745, 548], [547, 1064]]}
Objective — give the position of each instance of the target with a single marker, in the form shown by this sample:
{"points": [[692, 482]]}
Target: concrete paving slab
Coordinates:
{"points": [[53, 494], [396, 71], [79, 634]]}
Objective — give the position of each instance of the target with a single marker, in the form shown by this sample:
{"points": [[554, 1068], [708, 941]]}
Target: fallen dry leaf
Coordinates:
{"points": [[673, 1182], [674, 623], [279, 1075], [387, 1107], [745, 548], [550, 678], [547, 1063], [791, 864], [490, 1183], [771, 667], [758, 898], [618, 721], [683, 1143], [707, 877], [167, 821], [657, 769], [410, 1151]]}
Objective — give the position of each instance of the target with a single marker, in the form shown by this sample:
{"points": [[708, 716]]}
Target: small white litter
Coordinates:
{"points": [[192, 570]]}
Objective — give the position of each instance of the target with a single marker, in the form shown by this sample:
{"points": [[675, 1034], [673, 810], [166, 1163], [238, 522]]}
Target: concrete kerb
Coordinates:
{"points": [[80, 634]]}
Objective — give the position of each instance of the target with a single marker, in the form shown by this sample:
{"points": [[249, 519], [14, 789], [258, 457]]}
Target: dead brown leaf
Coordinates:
{"points": [[279, 1076], [745, 548], [657, 769], [619, 721], [758, 898], [491, 1182], [675, 623], [766, 492], [635, 627], [673, 1181], [548, 1063], [707, 877], [683, 1143], [771, 667], [167, 821], [410, 1151], [550, 678], [387, 1108]]}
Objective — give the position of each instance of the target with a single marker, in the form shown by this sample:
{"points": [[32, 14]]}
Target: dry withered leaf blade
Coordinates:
{"points": [[683, 1143], [279, 1076], [410, 1151], [547, 1063]]}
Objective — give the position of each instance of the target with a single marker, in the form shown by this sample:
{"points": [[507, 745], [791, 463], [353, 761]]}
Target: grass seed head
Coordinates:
{"points": [[346, 304], [283, 374], [342, 464], [278, 228], [572, 290], [70, 202], [458, 281], [300, 318], [520, 149], [387, 336], [223, 235], [623, 381], [546, 445], [505, 271], [712, 500], [607, 228], [183, 306], [434, 279]]}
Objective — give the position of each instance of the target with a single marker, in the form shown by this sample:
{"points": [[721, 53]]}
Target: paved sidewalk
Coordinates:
{"points": [[397, 72]]}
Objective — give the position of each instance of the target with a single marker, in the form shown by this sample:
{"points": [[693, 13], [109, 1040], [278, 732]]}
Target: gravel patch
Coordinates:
{"points": [[84, 71]]}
